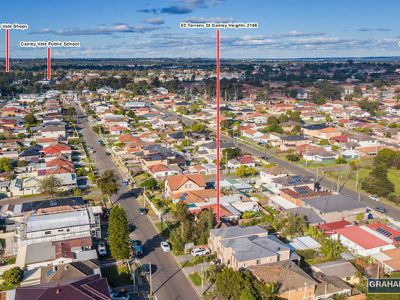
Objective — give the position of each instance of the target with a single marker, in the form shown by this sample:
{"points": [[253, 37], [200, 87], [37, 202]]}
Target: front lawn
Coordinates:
{"points": [[117, 275], [195, 278]]}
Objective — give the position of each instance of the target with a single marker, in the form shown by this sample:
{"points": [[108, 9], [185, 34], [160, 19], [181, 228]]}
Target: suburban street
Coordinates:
{"points": [[168, 281], [327, 183]]}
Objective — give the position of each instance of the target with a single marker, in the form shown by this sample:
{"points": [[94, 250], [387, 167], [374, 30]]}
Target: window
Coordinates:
{"points": [[67, 230], [47, 232], [258, 262], [60, 230]]}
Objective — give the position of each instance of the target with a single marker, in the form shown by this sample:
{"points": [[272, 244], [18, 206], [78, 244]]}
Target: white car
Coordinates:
{"points": [[373, 197], [102, 249], [200, 251], [165, 247]]}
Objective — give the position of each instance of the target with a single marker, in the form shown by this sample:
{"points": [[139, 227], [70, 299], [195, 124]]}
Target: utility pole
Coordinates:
{"points": [[337, 187], [151, 290], [357, 180]]}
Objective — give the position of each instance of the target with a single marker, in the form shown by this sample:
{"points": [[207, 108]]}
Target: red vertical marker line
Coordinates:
{"points": [[48, 63], [218, 129], [7, 50]]}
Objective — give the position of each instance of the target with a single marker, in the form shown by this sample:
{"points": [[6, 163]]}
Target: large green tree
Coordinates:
{"points": [[108, 183], [331, 248], [50, 185], [6, 164], [118, 234], [13, 276], [377, 182]]}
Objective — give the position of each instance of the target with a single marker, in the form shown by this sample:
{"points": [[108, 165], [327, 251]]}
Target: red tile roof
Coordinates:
{"points": [[176, 181]]}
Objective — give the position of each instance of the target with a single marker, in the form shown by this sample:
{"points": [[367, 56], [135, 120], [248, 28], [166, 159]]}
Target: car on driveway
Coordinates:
{"points": [[131, 227], [165, 246], [200, 251], [115, 295], [101, 248], [143, 211]]}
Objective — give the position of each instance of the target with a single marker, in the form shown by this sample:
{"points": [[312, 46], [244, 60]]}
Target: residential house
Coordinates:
{"points": [[291, 281], [362, 240], [242, 247], [339, 268], [59, 226], [245, 160], [177, 184], [335, 207], [92, 287]]}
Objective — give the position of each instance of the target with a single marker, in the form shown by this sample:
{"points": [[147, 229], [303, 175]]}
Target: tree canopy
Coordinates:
{"points": [[118, 234], [108, 183], [50, 185]]}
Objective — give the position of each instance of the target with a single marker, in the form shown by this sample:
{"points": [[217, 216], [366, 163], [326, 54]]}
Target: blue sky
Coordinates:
{"points": [[136, 28]]}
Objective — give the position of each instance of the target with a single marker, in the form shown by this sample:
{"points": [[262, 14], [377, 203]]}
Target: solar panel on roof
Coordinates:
{"points": [[383, 231], [397, 238]]}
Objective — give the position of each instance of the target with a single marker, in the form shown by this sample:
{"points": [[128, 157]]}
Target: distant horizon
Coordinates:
{"points": [[286, 29], [205, 58]]}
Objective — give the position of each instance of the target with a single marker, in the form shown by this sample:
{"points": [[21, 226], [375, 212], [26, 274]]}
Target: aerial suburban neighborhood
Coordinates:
{"points": [[195, 178]]}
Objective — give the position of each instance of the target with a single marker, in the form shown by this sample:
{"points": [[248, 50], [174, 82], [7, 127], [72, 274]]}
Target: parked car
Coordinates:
{"points": [[200, 251], [381, 209], [374, 197], [136, 242], [143, 211], [147, 268], [115, 295], [102, 249], [165, 246], [131, 227]]}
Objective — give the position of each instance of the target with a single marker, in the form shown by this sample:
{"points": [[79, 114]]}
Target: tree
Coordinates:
{"points": [[230, 153], [292, 225], [50, 185], [369, 106], [30, 120], [21, 163], [118, 234], [70, 111], [108, 183], [341, 160], [388, 157], [377, 182], [245, 171], [247, 294], [181, 211], [292, 157], [324, 142], [331, 248], [198, 127], [6, 164], [150, 184], [13, 276]]}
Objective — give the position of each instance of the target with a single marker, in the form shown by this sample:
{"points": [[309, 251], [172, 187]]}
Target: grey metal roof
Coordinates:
{"points": [[39, 252], [254, 247], [238, 231], [339, 268], [311, 216], [334, 202], [55, 221]]}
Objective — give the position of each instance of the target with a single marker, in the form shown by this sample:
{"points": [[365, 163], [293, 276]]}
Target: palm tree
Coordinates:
{"points": [[331, 248]]}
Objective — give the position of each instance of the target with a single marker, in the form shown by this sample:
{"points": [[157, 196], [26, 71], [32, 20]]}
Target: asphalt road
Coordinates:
{"points": [[168, 281]]}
